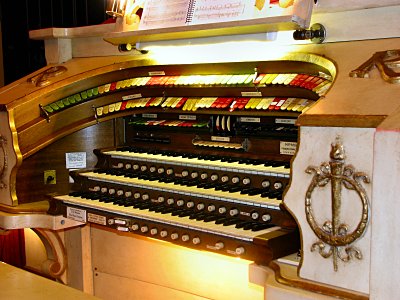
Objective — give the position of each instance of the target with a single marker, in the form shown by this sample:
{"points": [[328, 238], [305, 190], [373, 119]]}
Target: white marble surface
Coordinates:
{"points": [[385, 246]]}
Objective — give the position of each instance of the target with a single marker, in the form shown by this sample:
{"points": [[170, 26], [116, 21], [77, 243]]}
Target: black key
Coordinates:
{"points": [[211, 218], [128, 203], [219, 187], [167, 210], [231, 221], [107, 199], [177, 211], [235, 189], [154, 207], [245, 190], [221, 220], [131, 175], [214, 157], [277, 164], [201, 216], [195, 215], [258, 162], [243, 161], [201, 184], [159, 208], [141, 205], [268, 163], [208, 186], [185, 213], [178, 181], [249, 225], [261, 226], [241, 224], [162, 179], [226, 187], [75, 194], [255, 191], [119, 202], [169, 180]]}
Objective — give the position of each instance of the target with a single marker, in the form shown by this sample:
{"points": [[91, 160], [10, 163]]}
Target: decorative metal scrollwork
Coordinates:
{"points": [[3, 161], [385, 61], [334, 233]]}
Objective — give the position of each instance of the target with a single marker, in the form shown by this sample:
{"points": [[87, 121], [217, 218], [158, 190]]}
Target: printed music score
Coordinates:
{"points": [[162, 14], [208, 11]]}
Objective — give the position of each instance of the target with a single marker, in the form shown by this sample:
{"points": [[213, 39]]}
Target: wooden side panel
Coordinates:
{"points": [[32, 184]]}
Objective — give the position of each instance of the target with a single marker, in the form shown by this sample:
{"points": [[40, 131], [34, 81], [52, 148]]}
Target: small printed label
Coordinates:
{"points": [[121, 228], [288, 148], [97, 219], [251, 94], [151, 116], [120, 222], [285, 121], [76, 214], [75, 160], [187, 117], [250, 120], [156, 73], [133, 96], [211, 247], [221, 138]]}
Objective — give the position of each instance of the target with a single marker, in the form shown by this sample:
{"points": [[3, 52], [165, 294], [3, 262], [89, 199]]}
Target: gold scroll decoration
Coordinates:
{"points": [[333, 233], [43, 78], [3, 161], [385, 61]]}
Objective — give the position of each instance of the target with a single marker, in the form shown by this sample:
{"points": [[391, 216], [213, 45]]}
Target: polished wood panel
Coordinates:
{"points": [[31, 182]]}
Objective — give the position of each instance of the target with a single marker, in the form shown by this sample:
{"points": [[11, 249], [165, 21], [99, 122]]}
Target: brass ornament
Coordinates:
{"points": [[333, 233], [385, 61], [3, 161], [42, 79]]}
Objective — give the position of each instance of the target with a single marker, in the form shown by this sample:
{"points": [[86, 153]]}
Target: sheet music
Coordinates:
{"points": [[161, 14], [212, 11], [165, 13]]}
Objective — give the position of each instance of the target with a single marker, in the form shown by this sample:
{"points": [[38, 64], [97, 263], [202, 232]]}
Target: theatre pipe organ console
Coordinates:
{"points": [[197, 155], [205, 156]]}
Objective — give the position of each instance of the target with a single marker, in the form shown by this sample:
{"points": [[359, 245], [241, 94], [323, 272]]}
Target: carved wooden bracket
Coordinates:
{"points": [[56, 262]]}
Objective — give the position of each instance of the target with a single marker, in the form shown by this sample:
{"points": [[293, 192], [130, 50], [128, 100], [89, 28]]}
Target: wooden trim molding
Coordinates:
{"points": [[313, 286]]}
